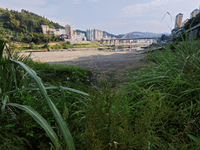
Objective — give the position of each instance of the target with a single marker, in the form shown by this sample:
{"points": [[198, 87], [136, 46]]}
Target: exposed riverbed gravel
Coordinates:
{"points": [[105, 62]]}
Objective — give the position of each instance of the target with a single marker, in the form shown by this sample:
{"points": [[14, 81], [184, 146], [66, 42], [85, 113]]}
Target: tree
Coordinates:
{"points": [[164, 37]]}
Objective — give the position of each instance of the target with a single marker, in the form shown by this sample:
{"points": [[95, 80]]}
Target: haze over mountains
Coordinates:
{"points": [[136, 35]]}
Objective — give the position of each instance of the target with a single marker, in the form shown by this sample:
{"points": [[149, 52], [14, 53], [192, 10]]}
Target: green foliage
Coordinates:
{"points": [[67, 45], [157, 109], [36, 116], [10, 141], [56, 46], [25, 21], [192, 22], [164, 37], [107, 120], [25, 26], [69, 76], [174, 77]]}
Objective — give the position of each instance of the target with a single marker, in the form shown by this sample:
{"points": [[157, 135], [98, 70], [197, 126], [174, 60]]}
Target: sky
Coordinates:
{"points": [[113, 16]]}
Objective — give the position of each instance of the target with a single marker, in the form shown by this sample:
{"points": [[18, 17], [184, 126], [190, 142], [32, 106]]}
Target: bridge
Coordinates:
{"points": [[128, 38]]}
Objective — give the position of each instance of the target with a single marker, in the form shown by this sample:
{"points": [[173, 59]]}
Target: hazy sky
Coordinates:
{"points": [[114, 16]]}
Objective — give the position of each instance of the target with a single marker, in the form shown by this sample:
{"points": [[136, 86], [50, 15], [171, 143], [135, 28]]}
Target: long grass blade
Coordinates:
{"points": [[76, 91], [62, 97]]}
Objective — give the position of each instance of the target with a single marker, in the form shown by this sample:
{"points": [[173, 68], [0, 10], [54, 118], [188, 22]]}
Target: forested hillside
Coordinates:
{"points": [[24, 26]]}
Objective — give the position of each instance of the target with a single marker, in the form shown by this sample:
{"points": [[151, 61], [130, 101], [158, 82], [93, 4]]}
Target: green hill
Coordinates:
{"points": [[24, 26], [24, 21]]}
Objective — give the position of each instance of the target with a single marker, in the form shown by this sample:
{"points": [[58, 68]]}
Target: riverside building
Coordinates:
{"points": [[94, 34], [178, 21], [69, 32], [49, 31], [194, 13]]}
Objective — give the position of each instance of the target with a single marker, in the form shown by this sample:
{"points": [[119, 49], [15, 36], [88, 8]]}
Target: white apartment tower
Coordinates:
{"points": [[94, 34]]}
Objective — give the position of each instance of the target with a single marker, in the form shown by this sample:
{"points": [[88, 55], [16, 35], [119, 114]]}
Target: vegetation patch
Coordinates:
{"points": [[156, 108]]}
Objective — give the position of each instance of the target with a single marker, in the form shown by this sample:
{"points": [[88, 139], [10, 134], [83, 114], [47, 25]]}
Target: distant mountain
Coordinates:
{"points": [[136, 35], [80, 31]]}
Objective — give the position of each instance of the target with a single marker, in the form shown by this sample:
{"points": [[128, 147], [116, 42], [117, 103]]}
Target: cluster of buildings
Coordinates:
{"points": [[67, 34], [179, 18], [71, 35]]}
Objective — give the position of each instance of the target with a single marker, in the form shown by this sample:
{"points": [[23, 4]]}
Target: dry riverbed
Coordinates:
{"points": [[107, 63]]}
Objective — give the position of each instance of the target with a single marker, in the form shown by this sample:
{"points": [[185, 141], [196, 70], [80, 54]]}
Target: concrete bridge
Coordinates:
{"points": [[125, 38]]}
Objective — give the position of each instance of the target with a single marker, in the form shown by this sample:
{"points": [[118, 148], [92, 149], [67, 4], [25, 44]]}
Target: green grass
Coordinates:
{"points": [[156, 108], [70, 76], [172, 80]]}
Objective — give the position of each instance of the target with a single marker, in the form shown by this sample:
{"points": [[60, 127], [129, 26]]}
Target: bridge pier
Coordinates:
{"points": [[115, 42]]}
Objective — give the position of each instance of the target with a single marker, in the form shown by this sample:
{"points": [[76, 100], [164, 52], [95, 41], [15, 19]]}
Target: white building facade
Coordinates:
{"points": [[94, 34]]}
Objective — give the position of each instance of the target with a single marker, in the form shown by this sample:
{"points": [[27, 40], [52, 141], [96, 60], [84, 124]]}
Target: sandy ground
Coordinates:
{"points": [[94, 60]]}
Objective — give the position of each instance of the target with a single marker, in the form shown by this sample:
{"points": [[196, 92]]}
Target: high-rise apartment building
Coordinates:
{"points": [[178, 21], [90, 35], [194, 13], [94, 34], [69, 32]]}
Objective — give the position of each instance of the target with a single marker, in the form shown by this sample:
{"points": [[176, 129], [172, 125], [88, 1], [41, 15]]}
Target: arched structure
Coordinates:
{"points": [[136, 32]]}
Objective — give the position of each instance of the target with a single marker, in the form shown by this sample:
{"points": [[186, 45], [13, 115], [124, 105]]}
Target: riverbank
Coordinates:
{"points": [[125, 46]]}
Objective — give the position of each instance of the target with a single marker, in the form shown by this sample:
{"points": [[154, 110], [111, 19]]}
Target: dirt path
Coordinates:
{"points": [[107, 63]]}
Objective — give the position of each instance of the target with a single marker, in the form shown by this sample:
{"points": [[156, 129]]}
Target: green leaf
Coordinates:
{"points": [[197, 140], [4, 103], [62, 97], [76, 91], [171, 147], [40, 120], [9, 125]]}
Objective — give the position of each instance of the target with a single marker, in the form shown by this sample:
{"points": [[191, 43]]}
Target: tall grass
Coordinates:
{"points": [[157, 109], [8, 65], [174, 73]]}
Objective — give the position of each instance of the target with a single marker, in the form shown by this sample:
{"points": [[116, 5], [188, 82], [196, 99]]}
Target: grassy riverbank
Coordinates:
{"points": [[51, 46], [156, 107]]}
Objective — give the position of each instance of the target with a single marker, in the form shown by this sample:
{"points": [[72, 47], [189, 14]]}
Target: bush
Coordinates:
{"points": [[36, 47], [32, 45], [56, 47]]}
